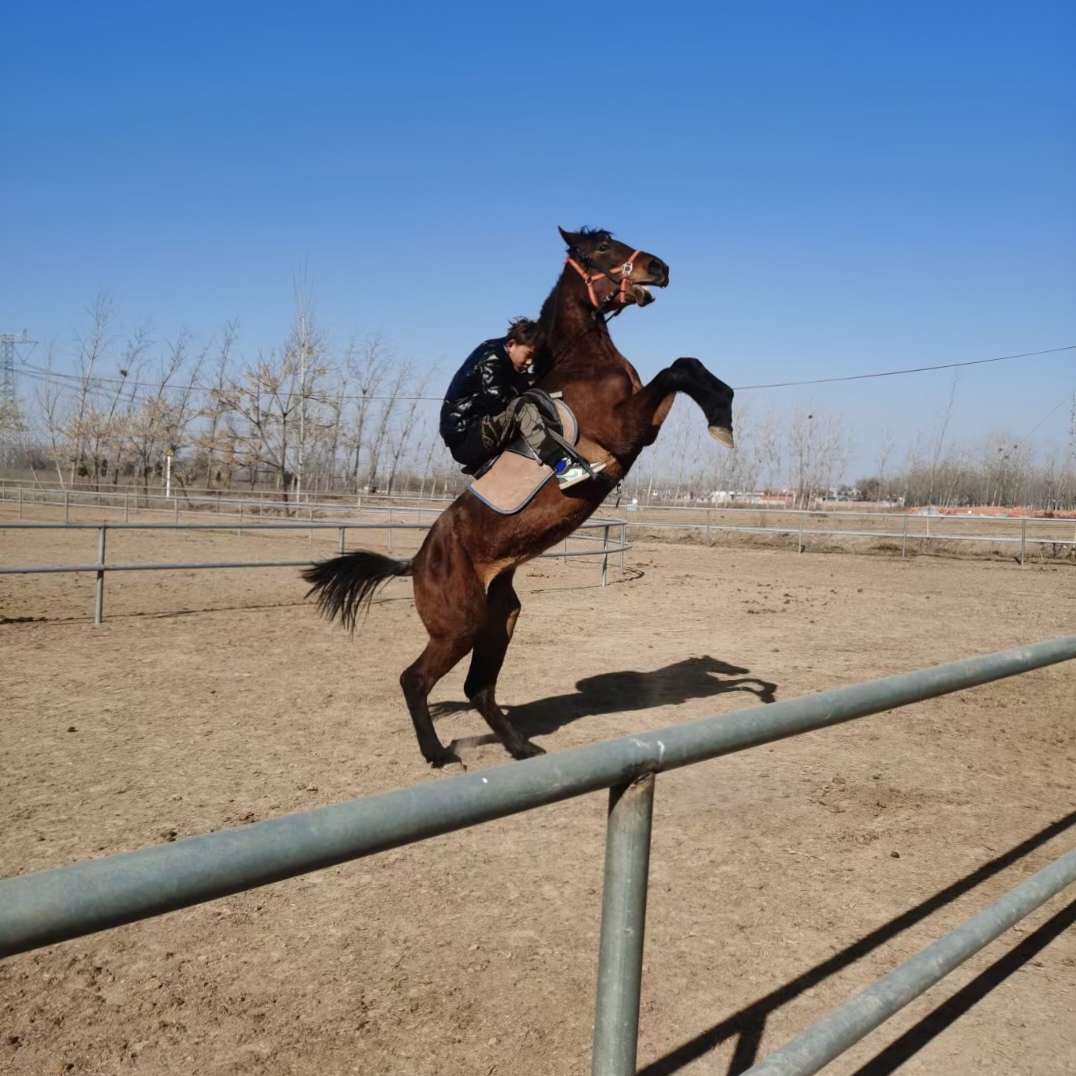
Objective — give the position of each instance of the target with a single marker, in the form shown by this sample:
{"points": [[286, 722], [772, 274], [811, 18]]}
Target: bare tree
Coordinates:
{"points": [[106, 420], [93, 344], [818, 449], [886, 440], [49, 395], [770, 441], [400, 434], [397, 387], [274, 403], [939, 434], [208, 440], [367, 367], [305, 351]]}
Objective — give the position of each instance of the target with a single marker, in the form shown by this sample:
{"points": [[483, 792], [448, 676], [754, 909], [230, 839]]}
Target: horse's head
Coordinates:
{"points": [[615, 274]]}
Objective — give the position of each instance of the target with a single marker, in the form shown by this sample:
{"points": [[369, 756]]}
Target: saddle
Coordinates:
{"points": [[508, 482]]}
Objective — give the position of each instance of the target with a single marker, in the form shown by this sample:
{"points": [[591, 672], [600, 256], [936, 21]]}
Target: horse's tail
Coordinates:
{"points": [[346, 584]]}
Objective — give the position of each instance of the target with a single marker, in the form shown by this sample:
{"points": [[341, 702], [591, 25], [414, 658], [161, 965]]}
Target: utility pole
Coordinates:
{"points": [[10, 419], [302, 418]]}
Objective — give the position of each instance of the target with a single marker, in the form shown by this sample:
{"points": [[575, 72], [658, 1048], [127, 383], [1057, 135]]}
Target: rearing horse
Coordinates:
{"points": [[464, 569]]}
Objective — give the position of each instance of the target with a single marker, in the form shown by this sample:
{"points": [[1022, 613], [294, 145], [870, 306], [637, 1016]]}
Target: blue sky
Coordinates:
{"points": [[838, 187]]}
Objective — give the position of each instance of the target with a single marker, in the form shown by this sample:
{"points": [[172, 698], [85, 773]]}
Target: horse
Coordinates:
{"points": [[463, 572]]}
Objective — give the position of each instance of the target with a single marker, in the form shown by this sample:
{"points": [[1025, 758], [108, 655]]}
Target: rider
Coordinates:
{"points": [[485, 409]]}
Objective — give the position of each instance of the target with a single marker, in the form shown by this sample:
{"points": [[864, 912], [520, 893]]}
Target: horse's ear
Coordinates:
{"points": [[571, 238]]}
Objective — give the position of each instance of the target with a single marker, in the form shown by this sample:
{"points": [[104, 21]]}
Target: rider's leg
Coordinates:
{"points": [[480, 444], [568, 465], [492, 434], [530, 423]]}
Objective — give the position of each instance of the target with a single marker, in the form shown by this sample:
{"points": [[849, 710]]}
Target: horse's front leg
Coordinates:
{"points": [[645, 411]]}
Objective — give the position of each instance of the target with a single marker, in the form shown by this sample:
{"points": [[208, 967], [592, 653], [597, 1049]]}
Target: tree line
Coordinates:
{"points": [[311, 418]]}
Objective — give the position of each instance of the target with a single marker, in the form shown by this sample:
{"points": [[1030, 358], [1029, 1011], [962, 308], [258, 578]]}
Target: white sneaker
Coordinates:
{"points": [[573, 473]]}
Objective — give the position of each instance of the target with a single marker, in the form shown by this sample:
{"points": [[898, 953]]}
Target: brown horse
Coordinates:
{"points": [[464, 569]]}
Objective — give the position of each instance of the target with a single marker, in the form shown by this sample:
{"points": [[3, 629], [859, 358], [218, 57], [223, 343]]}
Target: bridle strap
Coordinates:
{"points": [[623, 281]]}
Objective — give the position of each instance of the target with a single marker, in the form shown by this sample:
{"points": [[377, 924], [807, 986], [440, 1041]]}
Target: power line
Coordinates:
{"points": [[907, 370], [1042, 422], [42, 375], [73, 381]]}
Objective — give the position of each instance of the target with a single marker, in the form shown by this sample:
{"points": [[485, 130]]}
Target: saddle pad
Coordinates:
{"points": [[511, 483]]}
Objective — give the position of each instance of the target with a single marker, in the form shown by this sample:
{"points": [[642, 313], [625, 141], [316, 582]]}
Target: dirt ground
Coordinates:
{"points": [[782, 879]]}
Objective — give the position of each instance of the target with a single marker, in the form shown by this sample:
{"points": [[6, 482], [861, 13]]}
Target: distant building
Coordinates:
{"points": [[735, 497]]}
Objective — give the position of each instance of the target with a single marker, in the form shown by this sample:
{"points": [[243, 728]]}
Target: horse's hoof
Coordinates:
{"points": [[528, 750], [443, 759]]}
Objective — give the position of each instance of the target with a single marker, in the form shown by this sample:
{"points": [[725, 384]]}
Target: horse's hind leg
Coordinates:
{"points": [[452, 603], [491, 644], [417, 681]]}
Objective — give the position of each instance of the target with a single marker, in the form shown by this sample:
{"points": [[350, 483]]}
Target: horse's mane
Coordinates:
{"points": [[543, 352], [595, 233]]}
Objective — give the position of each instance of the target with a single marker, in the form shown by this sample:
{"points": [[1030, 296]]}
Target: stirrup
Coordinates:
{"points": [[575, 474], [575, 455]]}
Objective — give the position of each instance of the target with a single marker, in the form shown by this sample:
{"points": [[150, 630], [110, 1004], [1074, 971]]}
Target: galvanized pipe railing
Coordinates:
{"points": [[67, 902], [819, 1044], [620, 951], [99, 567]]}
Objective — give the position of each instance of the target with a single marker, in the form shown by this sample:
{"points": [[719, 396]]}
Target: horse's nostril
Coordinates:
{"points": [[657, 268]]}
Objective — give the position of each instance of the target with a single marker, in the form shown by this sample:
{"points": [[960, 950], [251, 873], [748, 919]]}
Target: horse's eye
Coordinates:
{"points": [[603, 248]]}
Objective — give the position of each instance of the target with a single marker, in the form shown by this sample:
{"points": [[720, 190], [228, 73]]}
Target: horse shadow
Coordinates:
{"points": [[628, 690]]}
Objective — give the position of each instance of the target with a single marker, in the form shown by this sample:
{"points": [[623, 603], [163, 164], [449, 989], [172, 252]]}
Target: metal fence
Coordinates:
{"points": [[225, 505], [100, 567], [797, 526], [68, 902], [923, 530]]}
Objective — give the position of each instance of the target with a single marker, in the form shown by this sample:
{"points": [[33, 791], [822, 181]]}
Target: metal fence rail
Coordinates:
{"points": [[128, 498], [819, 1044], [1059, 534], [902, 527], [67, 902], [100, 567]]}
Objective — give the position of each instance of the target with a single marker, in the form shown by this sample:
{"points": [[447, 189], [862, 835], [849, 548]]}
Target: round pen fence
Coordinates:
{"points": [[51, 906], [802, 528], [1050, 537], [604, 546]]}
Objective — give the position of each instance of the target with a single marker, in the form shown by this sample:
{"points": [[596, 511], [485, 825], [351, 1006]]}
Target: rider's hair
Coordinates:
{"points": [[523, 331]]}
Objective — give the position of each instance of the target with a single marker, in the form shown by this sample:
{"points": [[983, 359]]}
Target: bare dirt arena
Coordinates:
{"points": [[782, 879]]}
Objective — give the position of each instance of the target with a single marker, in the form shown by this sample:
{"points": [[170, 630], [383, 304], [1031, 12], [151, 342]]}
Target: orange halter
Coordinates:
{"points": [[619, 296]]}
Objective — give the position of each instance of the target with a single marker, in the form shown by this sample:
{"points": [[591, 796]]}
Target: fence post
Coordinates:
{"points": [[20, 502], [620, 954], [239, 529], [126, 508], [800, 538], [623, 543], [340, 542], [605, 556], [390, 529], [175, 501], [1023, 540], [99, 597], [904, 539], [707, 528], [67, 516]]}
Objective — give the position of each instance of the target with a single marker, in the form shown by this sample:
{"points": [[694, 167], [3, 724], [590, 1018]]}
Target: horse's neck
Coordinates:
{"points": [[573, 338]]}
